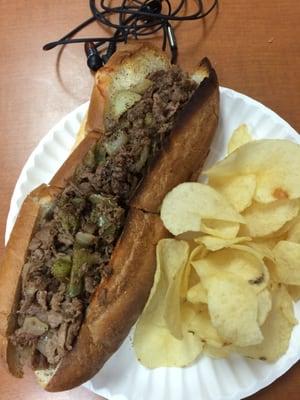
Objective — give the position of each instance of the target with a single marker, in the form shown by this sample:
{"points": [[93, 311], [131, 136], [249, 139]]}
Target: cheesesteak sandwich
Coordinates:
{"points": [[80, 262]]}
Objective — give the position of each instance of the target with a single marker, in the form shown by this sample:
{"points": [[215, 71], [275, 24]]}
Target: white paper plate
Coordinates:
{"points": [[123, 378]]}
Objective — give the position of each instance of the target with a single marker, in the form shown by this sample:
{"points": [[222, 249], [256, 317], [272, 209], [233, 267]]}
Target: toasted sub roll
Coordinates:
{"points": [[86, 242]]}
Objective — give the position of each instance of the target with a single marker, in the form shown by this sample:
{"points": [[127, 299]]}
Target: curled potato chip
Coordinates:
{"points": [[221, 229], [265, 219], [239, 262], [239, 190], [240, 136], [233, 308], [287, 262], [197, 294], [198, 252], [172, 313], [173, 256], [185, 283], [276, 330], [189, 279], [264, 305], [276, 164], [187, 204], [154, 345], [214, 243]]}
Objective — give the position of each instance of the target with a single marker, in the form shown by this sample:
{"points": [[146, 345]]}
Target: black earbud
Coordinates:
{"points": [[153, 6], [112, 47], [94, 60]]}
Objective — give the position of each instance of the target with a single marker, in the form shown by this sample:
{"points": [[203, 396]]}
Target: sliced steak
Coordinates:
{"points": [[72, 246]]}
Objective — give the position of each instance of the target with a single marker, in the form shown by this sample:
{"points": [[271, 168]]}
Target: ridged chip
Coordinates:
{"points": [[184, 208], [275, 163]]}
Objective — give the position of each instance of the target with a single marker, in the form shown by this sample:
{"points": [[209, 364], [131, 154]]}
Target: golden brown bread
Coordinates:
{"points": [[114, 79], [115, 305], [11, 267], [119, 299], [123, 74]]}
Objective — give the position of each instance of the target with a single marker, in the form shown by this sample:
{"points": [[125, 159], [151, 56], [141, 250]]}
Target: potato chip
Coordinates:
{"points": [[294, 232], [287, 306], [240, 262], [173, 256], [154, 345], [265, 219], [282, 233], [276, 330], [273, 278], [264, 305], [239, 190], [185, 283], [214, 243], [265, 244], [215, 352], [172, 314], [189, 277], [200, 324], [240, 136], [198, 252], [233, 308], [287, 262], [221, 229], [276, 164], [260, 249], [198, 308], [251, 248], [197, 294], [219, 286], [294, 292], [270, 240], [187, 204]]}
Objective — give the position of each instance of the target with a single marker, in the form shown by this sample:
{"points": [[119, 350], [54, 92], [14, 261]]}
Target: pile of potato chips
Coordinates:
{"points": [[227, 281]]}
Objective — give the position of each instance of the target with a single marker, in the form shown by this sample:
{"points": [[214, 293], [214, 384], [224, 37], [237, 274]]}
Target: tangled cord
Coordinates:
{"points": [[132, 19]]}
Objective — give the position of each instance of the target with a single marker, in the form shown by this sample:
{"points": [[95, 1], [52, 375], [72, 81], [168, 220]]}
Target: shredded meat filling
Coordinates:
{"points": [[72, 246]]}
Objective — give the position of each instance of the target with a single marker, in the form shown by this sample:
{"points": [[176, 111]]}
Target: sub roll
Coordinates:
{"points": [[79, 265]]}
